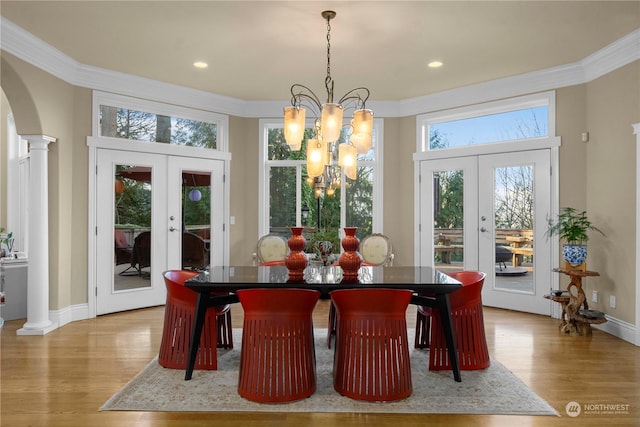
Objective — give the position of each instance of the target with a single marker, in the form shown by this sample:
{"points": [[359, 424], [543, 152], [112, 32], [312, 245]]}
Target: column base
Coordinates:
{"points": [[40, 329]]}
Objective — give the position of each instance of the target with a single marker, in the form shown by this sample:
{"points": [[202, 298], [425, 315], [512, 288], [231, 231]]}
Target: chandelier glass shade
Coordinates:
{"points": [[362, 130], [294, 131], [317, 154], [328, 123], [331, 122], [347, 159]]}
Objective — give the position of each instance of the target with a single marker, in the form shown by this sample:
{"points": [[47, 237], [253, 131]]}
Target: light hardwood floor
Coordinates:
{"points": [[62, 379]]}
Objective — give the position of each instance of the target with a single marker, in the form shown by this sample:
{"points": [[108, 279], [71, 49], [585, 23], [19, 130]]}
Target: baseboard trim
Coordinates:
{"points": [[619, 328], [616, 327], [69, 314]]}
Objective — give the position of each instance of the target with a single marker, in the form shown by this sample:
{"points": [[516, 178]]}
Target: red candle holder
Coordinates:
{"points": [[296, 260], [350, 259]]}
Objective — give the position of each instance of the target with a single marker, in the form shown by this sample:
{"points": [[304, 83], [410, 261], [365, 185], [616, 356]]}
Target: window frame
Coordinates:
{"points": [[543, 99], [120, 101], [264, 177]]}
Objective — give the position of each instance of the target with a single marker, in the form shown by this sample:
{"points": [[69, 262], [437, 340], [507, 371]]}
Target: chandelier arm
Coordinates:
{"points": [[359, 95], [301, 93]]}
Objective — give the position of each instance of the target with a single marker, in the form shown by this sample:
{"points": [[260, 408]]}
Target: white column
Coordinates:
{"points": [[38, 322]]}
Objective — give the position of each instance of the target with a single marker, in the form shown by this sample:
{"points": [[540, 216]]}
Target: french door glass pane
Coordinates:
{"points": [[132, 227], [196, 217], [513, 213], [448, 219]]}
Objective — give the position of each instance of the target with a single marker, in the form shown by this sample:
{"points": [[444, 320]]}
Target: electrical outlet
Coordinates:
{"points": [[594, 296], [612, 301]]}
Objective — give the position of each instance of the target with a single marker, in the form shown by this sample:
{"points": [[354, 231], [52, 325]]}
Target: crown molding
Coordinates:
{"points": [[36, 52], [616, 55]]}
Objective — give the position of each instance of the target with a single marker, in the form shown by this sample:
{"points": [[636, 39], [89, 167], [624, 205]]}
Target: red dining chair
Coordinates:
{"points": [[276, 263], [371, 359], [178, 321], [468, 325], [376, 250], [277, 359]]}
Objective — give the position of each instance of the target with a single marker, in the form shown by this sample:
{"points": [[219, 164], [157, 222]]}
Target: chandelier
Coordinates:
{"points": [[328, 123]]}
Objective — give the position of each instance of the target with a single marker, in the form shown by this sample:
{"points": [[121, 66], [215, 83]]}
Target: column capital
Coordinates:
{"points": [[636, 128], [42, 139]]}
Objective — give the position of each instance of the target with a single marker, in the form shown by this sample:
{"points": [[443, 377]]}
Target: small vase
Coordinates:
{"points": [[296, 260], [350, 259], [574, 254]]}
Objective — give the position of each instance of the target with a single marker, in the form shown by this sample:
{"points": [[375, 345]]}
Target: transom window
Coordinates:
{"points": [[128, 118], [515, 119]]}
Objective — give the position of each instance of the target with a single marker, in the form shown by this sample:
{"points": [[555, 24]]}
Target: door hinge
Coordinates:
{"points": [[224, 227], [96, 231], [96, 291]]}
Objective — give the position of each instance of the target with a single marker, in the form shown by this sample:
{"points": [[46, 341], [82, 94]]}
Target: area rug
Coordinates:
{"points": [[491, 391]]}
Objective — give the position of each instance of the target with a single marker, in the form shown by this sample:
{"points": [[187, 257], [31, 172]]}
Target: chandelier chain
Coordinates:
{"points": [[328, 81]]}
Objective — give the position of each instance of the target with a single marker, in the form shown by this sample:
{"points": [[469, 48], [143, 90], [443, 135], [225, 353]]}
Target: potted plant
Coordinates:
{"points": [[7, 240], [572, 226]]}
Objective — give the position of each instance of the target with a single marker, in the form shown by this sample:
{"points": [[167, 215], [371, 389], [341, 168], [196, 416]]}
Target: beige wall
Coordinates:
{"points": [[598, 176], [62, 111], [399, 147], [79, 185], [571, 122], [243, 144], [613, 106]]}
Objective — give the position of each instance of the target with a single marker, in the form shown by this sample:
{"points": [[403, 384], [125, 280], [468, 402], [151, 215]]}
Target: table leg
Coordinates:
{"points": [[196, 331], [445, 314]]}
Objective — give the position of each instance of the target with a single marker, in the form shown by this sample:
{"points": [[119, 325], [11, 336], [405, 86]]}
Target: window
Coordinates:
{"points": [[127, 118], [517, 119], [290, 198], [17, 186]]}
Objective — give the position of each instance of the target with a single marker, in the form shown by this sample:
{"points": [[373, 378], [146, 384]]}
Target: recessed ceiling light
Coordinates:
{"points": [[435, 64], [200, 64]]}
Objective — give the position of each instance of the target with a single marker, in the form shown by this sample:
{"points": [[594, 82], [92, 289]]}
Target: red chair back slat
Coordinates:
{"points": [[277, 359], [372, 355], [468, 325], [178, 321]]}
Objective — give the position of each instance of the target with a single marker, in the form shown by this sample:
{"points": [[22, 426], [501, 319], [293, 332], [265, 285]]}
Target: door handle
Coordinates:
{"points": [[172, 229], [484, 230]]}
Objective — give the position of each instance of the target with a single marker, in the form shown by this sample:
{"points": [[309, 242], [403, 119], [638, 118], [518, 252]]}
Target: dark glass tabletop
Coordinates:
{"points": [[325, 279]]}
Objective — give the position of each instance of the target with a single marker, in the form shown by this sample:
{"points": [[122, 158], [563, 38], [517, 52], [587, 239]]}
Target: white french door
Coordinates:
{"points": [[488, 213], [523, 180], [141, 226]]}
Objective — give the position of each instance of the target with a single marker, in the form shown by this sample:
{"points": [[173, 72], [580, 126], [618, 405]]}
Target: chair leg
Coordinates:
{"points": [[423, 331], [225, 336], [331, 328]]}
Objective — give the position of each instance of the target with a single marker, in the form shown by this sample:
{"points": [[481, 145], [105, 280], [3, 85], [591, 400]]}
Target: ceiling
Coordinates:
{"points": [[256, 50]]}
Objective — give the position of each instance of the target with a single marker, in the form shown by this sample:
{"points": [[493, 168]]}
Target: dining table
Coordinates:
{"points": [[217, 286]]}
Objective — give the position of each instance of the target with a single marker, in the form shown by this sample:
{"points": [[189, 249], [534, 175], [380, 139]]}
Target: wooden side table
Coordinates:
{"points": [[574, 306]]}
